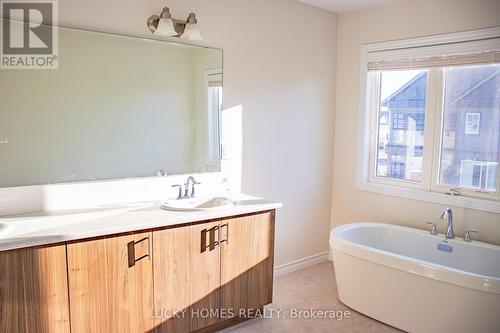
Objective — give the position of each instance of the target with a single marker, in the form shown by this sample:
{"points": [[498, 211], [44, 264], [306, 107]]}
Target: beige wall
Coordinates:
{"points": [[279, 61], [404, 20]]}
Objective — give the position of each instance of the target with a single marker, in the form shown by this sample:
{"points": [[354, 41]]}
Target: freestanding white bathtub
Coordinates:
{"points": [[416, 281]]}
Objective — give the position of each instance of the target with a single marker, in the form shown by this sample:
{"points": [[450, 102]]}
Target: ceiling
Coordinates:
{"points": [[342, 6]]}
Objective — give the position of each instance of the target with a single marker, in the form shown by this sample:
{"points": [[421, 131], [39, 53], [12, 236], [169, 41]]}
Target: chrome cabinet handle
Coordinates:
{"points": [[467, 237], [131, 251], [434, 228], [226, 240], [212, 242]]}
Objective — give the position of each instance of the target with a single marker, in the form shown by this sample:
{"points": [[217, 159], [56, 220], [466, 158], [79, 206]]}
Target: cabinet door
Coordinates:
{"points": [[247, 250], [34, 290], [186, 277], [111, 284]]}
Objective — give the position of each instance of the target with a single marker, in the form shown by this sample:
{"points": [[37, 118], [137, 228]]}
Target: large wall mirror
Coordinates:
{"points": [[117, 107]]}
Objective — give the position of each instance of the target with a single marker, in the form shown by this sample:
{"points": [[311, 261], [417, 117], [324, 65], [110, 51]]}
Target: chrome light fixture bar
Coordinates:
{"points": [[165, 25]]}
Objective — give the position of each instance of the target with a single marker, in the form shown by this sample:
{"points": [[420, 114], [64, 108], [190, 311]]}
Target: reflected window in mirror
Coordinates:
{"points": [[213, 88]]}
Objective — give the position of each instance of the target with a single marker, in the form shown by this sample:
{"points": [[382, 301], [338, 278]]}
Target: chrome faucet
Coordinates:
{"points": [[448, 215], [189, 180], [193, 182]]}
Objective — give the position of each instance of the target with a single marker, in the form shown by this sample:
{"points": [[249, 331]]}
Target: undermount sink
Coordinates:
{"points": [[197, 204]]}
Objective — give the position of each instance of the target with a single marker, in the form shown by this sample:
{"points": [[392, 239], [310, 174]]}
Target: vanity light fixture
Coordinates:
{"points": [[191, 31], [165, 25]]}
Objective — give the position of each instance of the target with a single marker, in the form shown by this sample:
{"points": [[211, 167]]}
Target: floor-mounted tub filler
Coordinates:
{"points": [[416, 281]]}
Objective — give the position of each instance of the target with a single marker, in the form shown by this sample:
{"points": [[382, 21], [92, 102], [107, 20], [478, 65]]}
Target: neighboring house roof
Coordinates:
{"points": [[479, 87], [480, 92], [411, 91]]}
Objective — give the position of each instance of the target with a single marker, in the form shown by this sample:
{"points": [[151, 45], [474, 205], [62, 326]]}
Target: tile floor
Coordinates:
{"points": [[315, 288]]}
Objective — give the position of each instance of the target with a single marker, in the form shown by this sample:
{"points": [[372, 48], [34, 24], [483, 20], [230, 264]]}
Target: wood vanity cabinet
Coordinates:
{"points": [[247, 262], [186, 277], [111, 284], [34, 290], [176, 279], [209, 272]]}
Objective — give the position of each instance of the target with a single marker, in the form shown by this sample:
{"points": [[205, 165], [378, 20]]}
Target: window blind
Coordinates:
{"points": [[491, 57], [215, 83], [472, 52], [215, 80]]}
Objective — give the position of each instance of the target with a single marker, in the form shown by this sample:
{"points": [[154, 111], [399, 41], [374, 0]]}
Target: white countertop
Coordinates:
{"points": [[20, 231]]}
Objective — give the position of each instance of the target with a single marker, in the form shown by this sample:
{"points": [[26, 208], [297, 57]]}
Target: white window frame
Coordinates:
{"points": [[427, 190], [428, 143]]}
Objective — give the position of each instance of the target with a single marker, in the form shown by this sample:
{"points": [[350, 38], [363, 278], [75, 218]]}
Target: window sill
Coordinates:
{"points": [[434, 197]]}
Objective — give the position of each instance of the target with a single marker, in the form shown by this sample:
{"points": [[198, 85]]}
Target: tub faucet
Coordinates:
{"points": [[448, 215], [467, 237]]}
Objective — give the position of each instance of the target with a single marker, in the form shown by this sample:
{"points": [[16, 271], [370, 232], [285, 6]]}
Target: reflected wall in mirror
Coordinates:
{"points": [[117, 107]]}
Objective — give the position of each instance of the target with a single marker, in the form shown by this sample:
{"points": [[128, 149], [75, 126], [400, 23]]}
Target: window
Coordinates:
{"points": [[472, 123], [402, 95], [433, 117], [213, 86], [469, 149], [398, 121], [478, 175]]}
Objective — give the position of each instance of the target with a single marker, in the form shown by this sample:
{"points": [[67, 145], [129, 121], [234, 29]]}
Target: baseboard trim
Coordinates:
{"points": [[301, 263]]}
